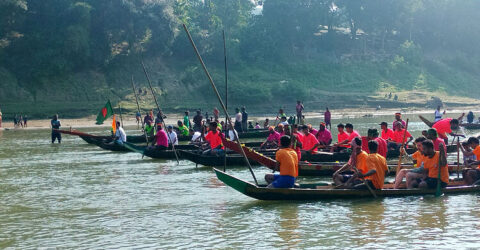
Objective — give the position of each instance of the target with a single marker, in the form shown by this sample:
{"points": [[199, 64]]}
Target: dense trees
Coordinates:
{"points": [[57, 38]]}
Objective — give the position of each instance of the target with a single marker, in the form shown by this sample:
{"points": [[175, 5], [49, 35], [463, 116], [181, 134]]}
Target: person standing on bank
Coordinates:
{"points": [[56, 124], [244, 119], [299, 109]]}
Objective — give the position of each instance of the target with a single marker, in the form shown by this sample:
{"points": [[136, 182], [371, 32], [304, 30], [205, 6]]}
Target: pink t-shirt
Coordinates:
{"points": [[353, 135], [324, 136], [402, 121], [436, 144], [161, 138], [328, 116], [275, 136], [309, 141], [314, 131]]}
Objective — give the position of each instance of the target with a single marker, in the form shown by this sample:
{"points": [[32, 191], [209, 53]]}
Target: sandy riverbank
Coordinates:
{"points": [[129, 119]]}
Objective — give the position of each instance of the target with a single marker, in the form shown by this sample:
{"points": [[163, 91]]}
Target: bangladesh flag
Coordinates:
{"points": [[105, 112]]}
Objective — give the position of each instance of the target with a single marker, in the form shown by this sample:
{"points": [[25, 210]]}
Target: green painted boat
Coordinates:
{"points": [[323, 191]]}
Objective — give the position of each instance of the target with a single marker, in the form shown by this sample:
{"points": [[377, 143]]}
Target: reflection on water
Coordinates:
{"points": [[75, 194], [288, 224]]}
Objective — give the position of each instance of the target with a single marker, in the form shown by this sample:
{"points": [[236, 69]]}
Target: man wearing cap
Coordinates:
{"points": [[386, 132], [172, 136], [324, 136], [372, 134], [446, 126], [398, 118]]}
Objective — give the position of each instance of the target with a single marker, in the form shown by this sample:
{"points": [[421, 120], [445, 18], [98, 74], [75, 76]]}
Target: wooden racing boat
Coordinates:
{"points": [[215, 161], [324, 191], [243, 135], [470, 125], [94, 139]]}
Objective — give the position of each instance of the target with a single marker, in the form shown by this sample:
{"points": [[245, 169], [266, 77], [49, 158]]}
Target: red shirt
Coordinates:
{"points": [[398, 136], [443, 127], [387, 135], [309, 141], [382, 146], [342, 136], [214, 139]]}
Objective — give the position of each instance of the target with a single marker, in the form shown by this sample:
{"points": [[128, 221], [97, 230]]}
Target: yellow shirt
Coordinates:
{"points": [[288, 160], [379, 163], [431, 164]]}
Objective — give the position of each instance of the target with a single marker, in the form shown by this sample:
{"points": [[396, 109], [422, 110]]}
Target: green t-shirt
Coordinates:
{"points": [[186, 121], [184, 130]]}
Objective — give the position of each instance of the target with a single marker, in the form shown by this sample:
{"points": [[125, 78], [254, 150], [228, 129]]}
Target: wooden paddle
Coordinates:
{"points": [[399, 165], [438, 192], [458, 158]]}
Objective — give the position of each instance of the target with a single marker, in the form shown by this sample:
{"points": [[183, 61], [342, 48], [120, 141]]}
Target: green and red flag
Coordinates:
{"points": [[105, 112]]}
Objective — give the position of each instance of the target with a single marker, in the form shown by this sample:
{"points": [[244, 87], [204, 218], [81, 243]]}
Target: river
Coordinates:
{"points": [[76, 195]]}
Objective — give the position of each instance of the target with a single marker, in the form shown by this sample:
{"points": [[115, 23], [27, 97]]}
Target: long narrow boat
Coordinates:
{"points": [[215, 161], [327, 192], [470, 125], [93, 139], [244, 135], [344, 156]]}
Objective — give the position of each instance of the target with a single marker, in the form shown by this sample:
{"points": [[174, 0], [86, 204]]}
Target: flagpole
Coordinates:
{"points": [[158, 107]]}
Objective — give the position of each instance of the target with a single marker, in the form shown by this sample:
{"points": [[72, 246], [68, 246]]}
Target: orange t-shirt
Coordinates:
{"points": [[418, 156], [288, 160], [362, 162], [309, 141], [379, 163], [214, 139], [398, 136], [443, 127], [431, 164], [476, 151]]}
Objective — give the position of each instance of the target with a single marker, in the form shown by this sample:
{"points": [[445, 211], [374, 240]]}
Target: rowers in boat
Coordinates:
{"points": [[400, 136], [372, 134], [272, 139], [344, 139], [471, 175], [447, 126], [429, 163], [214, 139], [287, 164], [416, 158], [369, 169]]}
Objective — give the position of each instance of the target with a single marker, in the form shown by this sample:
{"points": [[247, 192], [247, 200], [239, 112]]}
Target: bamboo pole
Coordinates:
{"points": [[158, 107], [219, 99]]}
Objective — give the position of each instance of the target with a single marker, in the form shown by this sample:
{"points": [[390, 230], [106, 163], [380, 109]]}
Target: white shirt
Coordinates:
{"points": [[284, 123], [438, 115], [196, 135], [231, 135], [238, 117], [172, 138], [120, 133]]}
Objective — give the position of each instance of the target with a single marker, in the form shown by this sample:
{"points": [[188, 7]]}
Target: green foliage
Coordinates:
{"points": [[303, 49]]}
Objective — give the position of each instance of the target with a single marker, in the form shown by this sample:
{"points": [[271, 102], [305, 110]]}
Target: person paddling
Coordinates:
{"points": [[214, 138], [287, 164], [161, 138], [447, 126]]}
